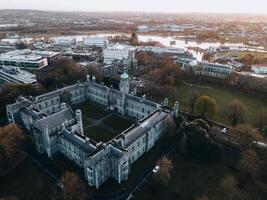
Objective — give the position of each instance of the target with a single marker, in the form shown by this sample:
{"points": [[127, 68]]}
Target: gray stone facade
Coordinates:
{"points": [[55, 128]]}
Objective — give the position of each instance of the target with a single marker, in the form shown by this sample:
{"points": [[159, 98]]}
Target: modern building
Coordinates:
{"points": [[5, 47], [29, 59], [172, 51], [55, 128], [51, 56], [118, 52], [65, 42], [205, 68], [109, 70], [259, 69], [143, 28], [100, 42], [213, 69], [10, 74]]}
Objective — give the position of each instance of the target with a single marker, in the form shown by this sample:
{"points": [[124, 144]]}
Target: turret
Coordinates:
{"points": [[78, 115], [88, 78], [93, 79], [176, 109], [166, 102], [63, 106], [47, 141], [124, 83]]}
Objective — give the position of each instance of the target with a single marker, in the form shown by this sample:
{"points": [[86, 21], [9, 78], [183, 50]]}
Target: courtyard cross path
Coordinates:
{"points": [[97, 122]]}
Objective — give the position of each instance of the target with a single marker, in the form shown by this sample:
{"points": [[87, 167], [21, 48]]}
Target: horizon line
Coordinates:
{"points": [[130, 11]]}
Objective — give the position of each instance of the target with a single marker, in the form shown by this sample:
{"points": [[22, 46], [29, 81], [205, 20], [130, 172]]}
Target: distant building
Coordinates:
{"points": [[23, 59], [65, 42], [213, 69], [5, 47], [51, 56], [236, 65], [143, 28], [29, 59], [109, 70], [10, 74], [162, 50], [205, 68], [259, 69], [117, 52], [100, 42]]}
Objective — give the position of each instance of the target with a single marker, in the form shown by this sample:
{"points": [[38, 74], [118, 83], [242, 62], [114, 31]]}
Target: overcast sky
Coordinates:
{"points": [[214, 6]]}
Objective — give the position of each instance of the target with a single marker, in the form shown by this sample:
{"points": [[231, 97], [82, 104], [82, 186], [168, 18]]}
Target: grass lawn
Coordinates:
{"points": [[193, 178], [222, 97], [241, 54], [92, 110], [118, 123], [28, 182], [99, 134]]}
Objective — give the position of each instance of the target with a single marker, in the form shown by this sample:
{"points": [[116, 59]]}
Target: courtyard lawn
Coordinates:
{"points": [[27, 182], [100, 134], [92, 110], [118, 123], [222, 97]]}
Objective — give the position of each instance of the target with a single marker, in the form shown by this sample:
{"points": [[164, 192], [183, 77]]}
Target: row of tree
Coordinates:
{"points": [[11, 154]]}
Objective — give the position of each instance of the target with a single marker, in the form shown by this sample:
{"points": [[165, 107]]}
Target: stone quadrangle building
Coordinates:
{"points": [[55, 128]]}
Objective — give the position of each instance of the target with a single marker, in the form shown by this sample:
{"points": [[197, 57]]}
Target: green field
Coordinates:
{"points": [[241, 54], [222, 97]]}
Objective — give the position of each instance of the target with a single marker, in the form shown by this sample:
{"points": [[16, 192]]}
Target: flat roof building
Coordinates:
{"points": [[28, 59], [100, 42], [10, 74], [259, 68], [117, 52]]}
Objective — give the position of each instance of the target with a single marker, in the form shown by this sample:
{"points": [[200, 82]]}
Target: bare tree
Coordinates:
{"points": [[245, 135], [192, 99], [236, 112], [72, 187], [164, 175]]}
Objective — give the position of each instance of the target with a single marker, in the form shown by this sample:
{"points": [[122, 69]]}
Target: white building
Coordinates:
{"points": [[100, 42], [143, 28], [117, 52], [10, 74], [29, 59], [259, 69], [162, 50], [23, 59]]}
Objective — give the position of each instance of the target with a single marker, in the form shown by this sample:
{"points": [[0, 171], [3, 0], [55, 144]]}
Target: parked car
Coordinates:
{"points": [[156, 169]]}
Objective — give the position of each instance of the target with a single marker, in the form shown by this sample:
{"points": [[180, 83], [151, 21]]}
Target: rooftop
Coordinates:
{"points": [[260, 65], [18, 75]]}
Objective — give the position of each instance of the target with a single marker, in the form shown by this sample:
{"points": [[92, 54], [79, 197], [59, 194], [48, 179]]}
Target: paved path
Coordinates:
{"points": [[98, 121]]}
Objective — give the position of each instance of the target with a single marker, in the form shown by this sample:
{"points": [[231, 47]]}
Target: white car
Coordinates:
{"points": [[224, 131], [156, 169]]}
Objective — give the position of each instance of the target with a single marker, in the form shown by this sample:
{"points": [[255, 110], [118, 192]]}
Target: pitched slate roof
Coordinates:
{"points": [[79, 141], [141, 100], [55, 119], [136, 131]]}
